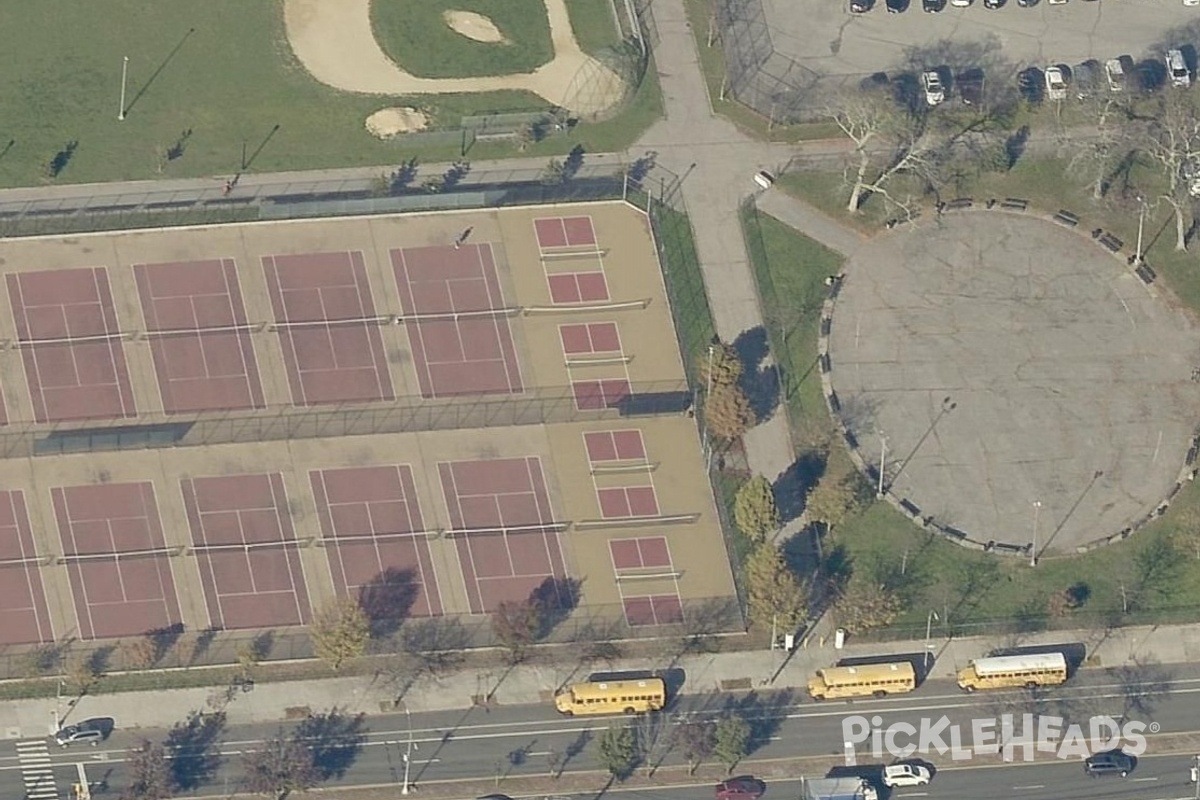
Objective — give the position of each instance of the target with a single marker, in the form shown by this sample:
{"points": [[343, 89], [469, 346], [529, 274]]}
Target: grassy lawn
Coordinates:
{"points": [[712, 64], [205, 80], [415, 35], [593, 23], [685, 285], [972, 592]]}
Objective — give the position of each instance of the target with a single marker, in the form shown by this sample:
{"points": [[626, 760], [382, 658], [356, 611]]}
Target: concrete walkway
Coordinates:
{"points": [[533, 683]]}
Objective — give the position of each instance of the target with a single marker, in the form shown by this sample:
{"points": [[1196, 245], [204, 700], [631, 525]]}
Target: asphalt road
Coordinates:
{"points": [[518, 740]]}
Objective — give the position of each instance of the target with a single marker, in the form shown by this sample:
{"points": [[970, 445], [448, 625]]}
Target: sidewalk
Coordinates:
{"points": [[535, 683]]}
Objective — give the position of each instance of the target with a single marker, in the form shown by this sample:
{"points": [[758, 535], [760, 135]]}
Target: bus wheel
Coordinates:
{"points": [[1031, 685], [630, 711], [880, 694], [968, 689]]}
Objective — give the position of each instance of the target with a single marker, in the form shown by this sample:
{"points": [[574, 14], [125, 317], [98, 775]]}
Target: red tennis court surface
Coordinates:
{"points": [[577, 287], [557, 232], [377, 548], [658, 609], [246, 548], [199, 340], [627, 501], [71, 345], [327, 328], [645, 553], [599, 395], [116, 558], [589, 338], [626, 445], [24, 618], [461, 340], [507, 541]]}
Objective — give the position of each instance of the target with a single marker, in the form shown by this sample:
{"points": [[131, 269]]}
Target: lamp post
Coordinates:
{"points": [[124, 74], [1141, 224], [707, 394], [928, 632], [408, 750], [882, 456], [1037, 507]]}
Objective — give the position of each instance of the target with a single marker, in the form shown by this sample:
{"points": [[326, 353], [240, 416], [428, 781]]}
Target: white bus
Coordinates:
{"points": [[1007, 672]]}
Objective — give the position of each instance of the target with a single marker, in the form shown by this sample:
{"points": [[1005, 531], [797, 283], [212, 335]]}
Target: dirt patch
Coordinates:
{"points": [[335, 43], [389, 122], [474, 26]]}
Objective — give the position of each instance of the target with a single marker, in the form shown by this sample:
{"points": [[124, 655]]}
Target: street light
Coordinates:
{"points": [[882, 456], [124, 73], [928, 631], [408, 749], [707, 394], [1141, 222], [1037, 507]]}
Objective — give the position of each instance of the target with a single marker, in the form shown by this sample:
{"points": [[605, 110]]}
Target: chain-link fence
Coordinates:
{"points": [[760, 77]]}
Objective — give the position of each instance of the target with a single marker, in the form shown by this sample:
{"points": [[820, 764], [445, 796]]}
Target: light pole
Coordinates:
{"points": [[124, 73], [1037, 507], [928, 631], [882, 456], [1141, 223], [408, 750]]}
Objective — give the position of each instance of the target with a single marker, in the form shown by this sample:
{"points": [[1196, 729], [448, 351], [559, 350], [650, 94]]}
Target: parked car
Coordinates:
{"points": [[961, 3], [933, 6], [931, 84], [1057, 2], [90, 731], [994, 3], [1027, 3], [1112, 762], [860, 6], [745, 787], [905, 775], [1191, 2], [1177, 68], [1031, 83], [1114, 73], [1056, 83], [970, 86], [896, 6], [1086, 78], [1191, 176]]}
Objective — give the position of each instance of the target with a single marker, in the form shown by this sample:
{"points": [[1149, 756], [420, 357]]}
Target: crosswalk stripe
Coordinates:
{"points": [[37, 770]]}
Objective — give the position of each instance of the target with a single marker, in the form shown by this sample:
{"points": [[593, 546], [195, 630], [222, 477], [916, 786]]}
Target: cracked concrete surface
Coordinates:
{"points": [[1009, 361]]}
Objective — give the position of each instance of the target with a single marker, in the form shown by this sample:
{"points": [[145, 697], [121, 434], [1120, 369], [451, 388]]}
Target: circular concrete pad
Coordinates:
{"points": [[1009, 362]]}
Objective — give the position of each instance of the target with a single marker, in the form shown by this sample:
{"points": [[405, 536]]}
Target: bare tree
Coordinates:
{"points": [[1172, 140], [697, 740], [1096, 158], [149, 774], [281, 766]]}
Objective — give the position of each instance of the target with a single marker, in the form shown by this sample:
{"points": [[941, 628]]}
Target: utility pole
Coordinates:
{"points": [[1037, 506], [882, 456], [124, 74]]}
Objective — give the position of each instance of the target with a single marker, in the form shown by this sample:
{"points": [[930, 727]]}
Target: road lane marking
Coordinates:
{"points": [[1143, 779], [1031, 786]]}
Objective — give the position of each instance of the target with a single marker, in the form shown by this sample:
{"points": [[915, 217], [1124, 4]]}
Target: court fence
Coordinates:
{"points": [[602, 629], [405, 414]]}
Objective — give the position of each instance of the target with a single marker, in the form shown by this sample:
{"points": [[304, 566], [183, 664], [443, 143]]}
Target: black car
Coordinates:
{"points": [[861, 6], [933, 6], [897, 6], [89, 731], [970, 86], [1113, 762], [1027, 3]]}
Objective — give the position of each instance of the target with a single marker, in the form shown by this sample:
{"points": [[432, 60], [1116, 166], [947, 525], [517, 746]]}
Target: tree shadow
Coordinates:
{"points": [[60, 160], [335, 740], [201, 644], [573, 162], [176, 150], [163, 639], [765, 713], [387, 600], [575, 748], [759, 382], [556, 598], [195, 749], [792, 486]]}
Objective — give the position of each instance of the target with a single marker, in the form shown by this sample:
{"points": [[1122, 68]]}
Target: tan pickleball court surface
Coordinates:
{"points": [[106, 334]]}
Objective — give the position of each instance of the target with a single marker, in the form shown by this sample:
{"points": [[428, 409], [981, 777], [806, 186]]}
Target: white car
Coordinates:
{"points": [[1056, 83], [960, 3], [931, 82], [1177, 69], [905, 775], [1191, 2], [1115, 73]]}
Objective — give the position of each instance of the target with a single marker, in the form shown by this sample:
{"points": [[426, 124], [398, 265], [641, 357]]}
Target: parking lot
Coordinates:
{"points": [[825, 37]]}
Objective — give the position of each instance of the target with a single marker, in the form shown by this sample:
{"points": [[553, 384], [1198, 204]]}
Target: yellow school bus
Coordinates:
{"points": [[612, 697], [863, 680], [1009, 672]]}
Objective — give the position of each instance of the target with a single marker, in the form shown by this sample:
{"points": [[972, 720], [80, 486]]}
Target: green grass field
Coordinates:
{"points": [[414, 34], [972, 592], [220, 72], [593, 23]]}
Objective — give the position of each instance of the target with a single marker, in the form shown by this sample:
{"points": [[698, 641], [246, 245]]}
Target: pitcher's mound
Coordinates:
{"points": [[388, 122], [474, 26]]}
